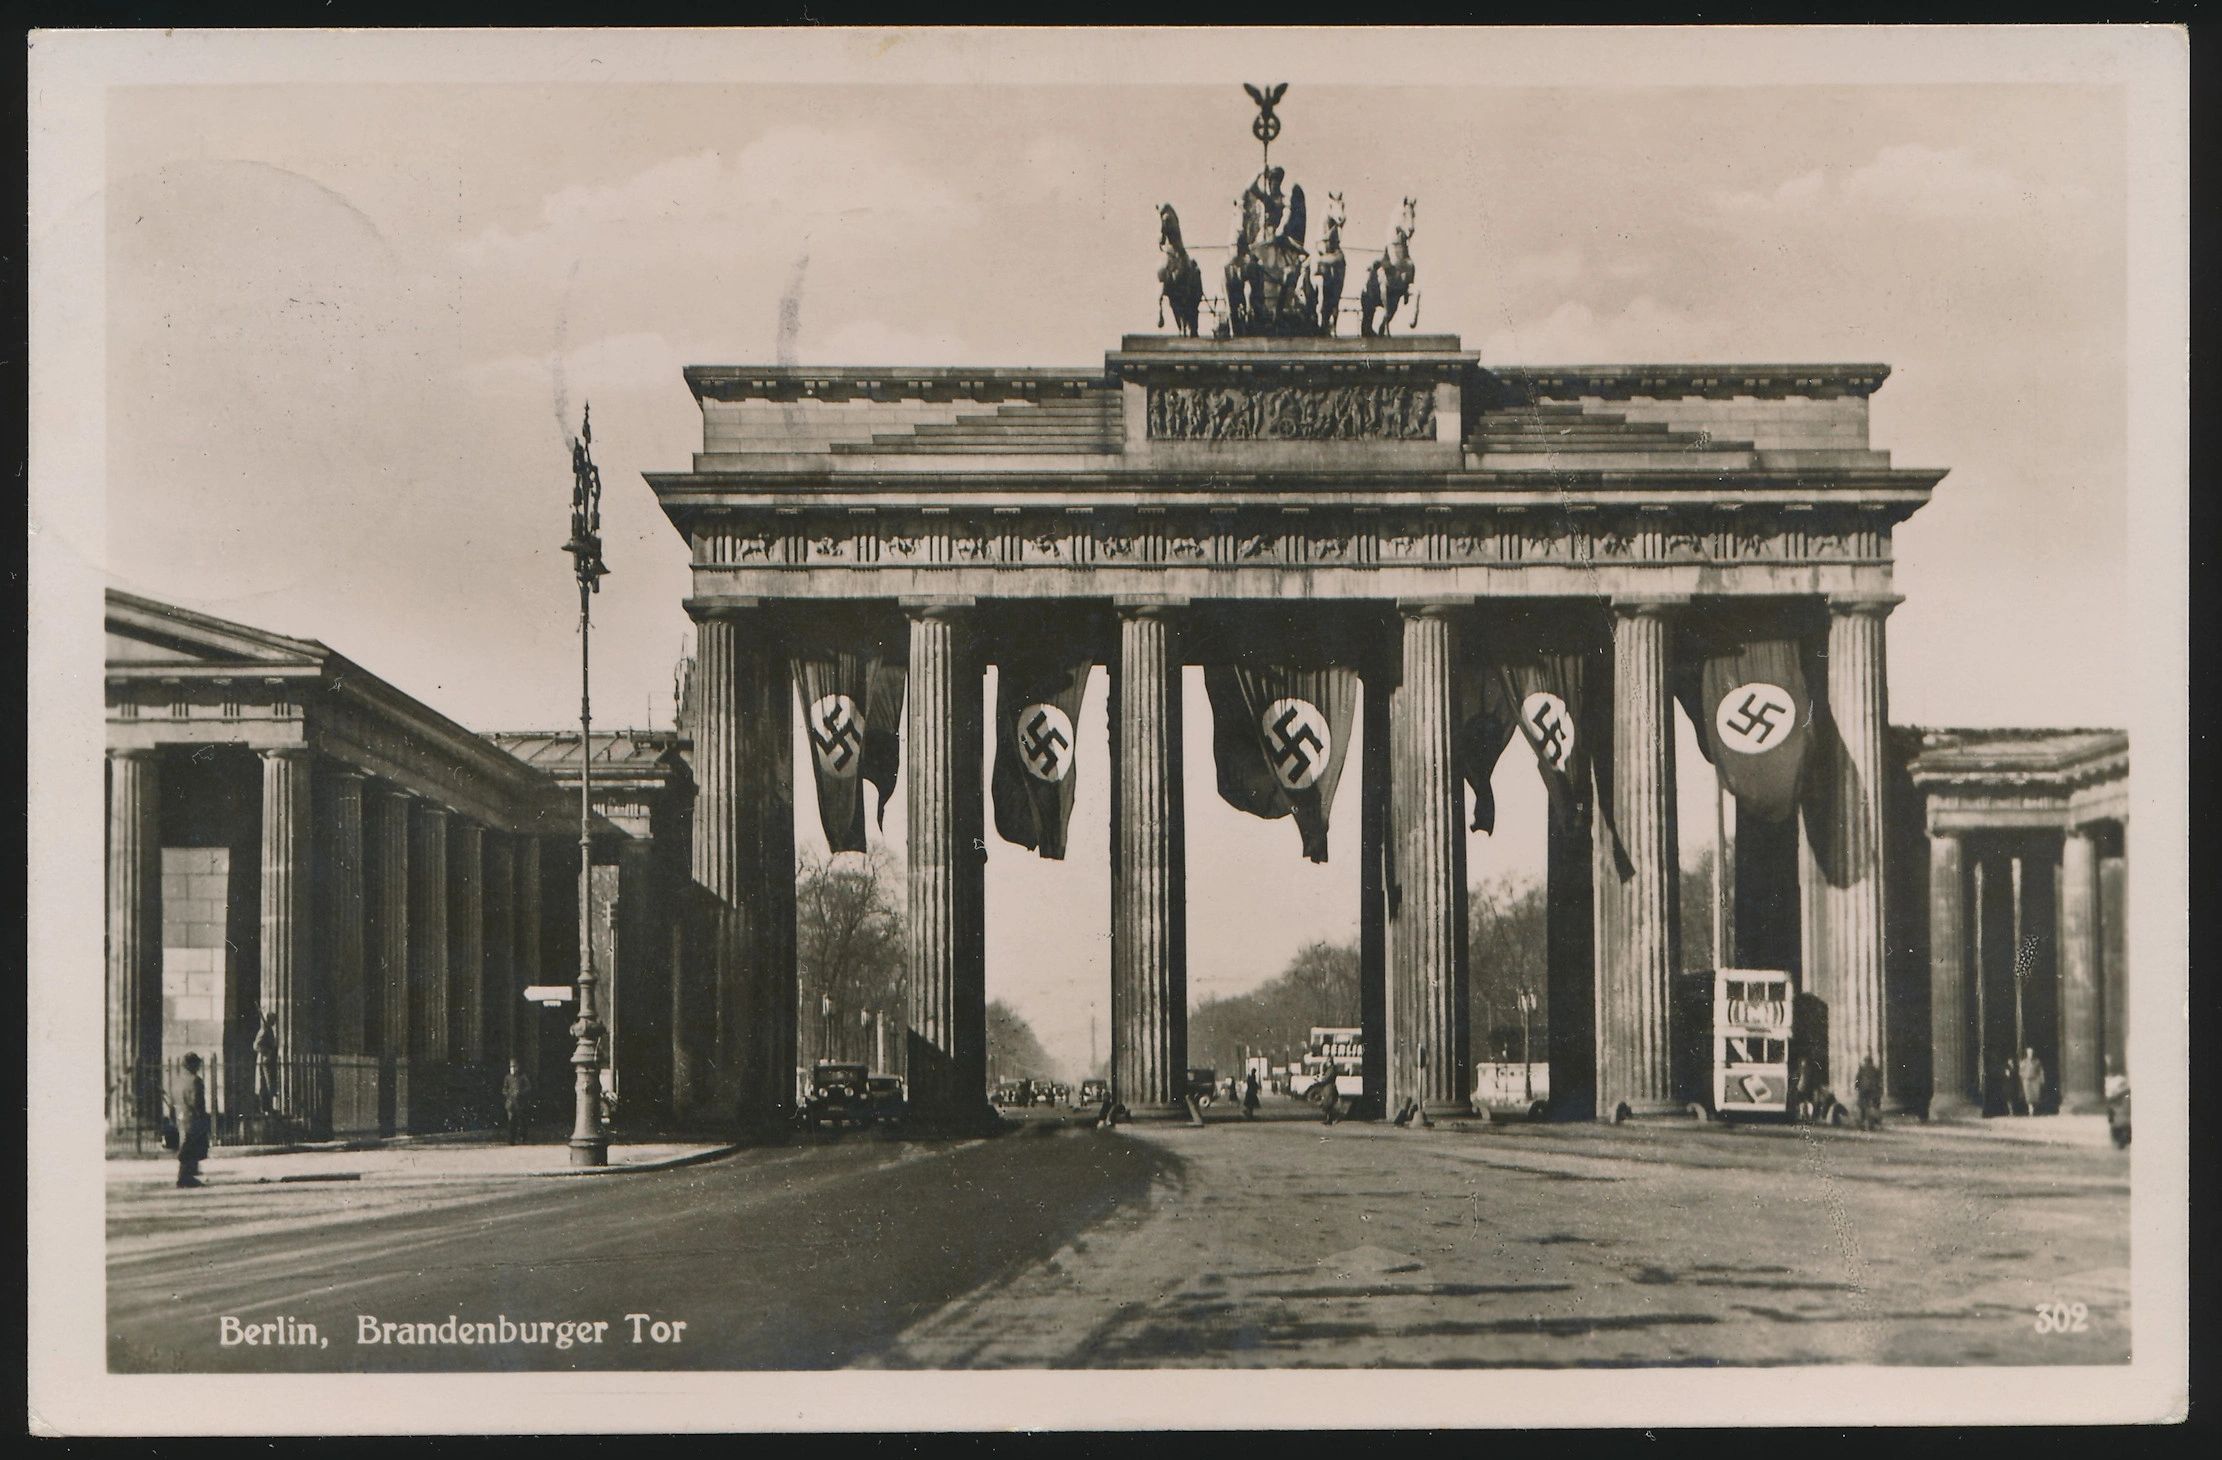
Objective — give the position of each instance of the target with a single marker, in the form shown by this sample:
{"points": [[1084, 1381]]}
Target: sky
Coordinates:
{"points": [[349, 325]]}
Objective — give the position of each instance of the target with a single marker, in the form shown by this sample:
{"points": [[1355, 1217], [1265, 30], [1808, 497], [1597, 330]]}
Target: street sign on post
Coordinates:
{"points": [[550, 994]]}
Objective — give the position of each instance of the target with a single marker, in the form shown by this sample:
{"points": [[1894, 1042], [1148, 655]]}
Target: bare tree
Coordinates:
{"points": [[848, 953]]}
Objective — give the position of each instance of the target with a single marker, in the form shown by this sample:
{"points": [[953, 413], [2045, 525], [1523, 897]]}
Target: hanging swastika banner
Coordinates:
{"points": [[1278, 736], [836, 735], [1757, 721], [1297, 743], [1045, 745], [1548, 726], [852, 703], [1038, 696]]}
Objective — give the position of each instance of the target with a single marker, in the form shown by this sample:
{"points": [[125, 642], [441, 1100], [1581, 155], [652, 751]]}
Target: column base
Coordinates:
{"points": [[949, 1125], [2084, 1105], [1954, 1108], [1447, 1110], [1156, 1114]]}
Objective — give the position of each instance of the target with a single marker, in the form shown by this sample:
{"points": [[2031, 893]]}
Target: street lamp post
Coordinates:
{"points": [[1527, 1065], [589, 1138]]}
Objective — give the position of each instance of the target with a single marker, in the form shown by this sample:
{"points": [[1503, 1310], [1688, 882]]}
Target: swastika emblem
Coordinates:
{"points": [[836, 735], [1755, 717], [1756, 1089], [1045, 742], [1297, 742], [1549, 728]]}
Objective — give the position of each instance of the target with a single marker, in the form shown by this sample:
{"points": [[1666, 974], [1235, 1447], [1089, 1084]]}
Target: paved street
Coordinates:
{"points": [[1280, 1243]]}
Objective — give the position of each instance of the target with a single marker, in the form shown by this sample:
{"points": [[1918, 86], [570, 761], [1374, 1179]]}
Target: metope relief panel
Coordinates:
{"points": [[1292, 413]]}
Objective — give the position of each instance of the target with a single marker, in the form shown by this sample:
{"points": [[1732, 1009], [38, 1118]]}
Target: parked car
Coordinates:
{"points": [[1092, 1093], [885, 1099], [1203, 1084], [838, 1096]]}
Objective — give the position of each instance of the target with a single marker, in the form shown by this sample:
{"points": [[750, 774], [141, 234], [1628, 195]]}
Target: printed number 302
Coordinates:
{"points": [[2063, 1317]]}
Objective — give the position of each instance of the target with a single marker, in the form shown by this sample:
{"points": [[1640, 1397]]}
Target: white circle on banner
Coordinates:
{"points": [[1044, 742], [1297, 742], [1550, 727], [1755, 717], [836, 735]]}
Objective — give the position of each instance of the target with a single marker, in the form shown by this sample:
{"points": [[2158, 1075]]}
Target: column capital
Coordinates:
{"points": [[296, 751], [950, 609], [1878, 604], [133, 752], [1164, 608], [1438, 608], [703, 610], [341, 771], [1647, 605], [431, 808]]}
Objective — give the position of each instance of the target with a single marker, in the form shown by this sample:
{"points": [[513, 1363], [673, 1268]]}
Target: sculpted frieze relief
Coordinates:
{"points": [[1292, 413], [1175, 540]]}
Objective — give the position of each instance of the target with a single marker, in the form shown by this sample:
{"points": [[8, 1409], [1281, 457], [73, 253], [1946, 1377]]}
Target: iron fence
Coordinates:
{"points": [[252, 1102]]}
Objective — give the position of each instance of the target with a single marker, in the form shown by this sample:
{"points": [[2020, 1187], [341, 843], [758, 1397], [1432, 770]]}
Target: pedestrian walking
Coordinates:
{"points": [[1804, 1083], [516, 1101], [2032, 1081], [1867, 1085], [1330, 1101], [1250, 1097], [189, 1102], [2009, 1083]]}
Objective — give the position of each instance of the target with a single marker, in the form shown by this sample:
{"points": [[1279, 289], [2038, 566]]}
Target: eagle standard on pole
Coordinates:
{"points": [[589, 1140]]}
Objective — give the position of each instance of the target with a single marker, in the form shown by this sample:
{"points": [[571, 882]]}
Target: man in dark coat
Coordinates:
{"points": [[1868, 1086], [516, 1100], [189, 1104], [1250, 1096]]}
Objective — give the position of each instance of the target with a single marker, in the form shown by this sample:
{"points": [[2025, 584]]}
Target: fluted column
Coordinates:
{"points": [[428, 963], [764, 849], [289, 984], [342, 883], [1845, 946], [524, 1022], [1570, 944], [466, 930], [2113, 955], [388, 971], [2081, 1078], [1427, 920], [502, 984], [1149, 868], [1373, 893], [1953, 1080], [947, 1045], [134, 936], [1634, 869]]}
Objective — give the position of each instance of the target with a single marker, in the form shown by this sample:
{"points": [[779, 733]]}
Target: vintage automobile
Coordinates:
{"points": [[885, 1099], [1202, 1085], [1092, 1093], [838, 1096]]}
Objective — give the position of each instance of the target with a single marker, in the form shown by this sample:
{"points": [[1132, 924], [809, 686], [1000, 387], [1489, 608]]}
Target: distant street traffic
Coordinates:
{"points": [[1276, 1243]]}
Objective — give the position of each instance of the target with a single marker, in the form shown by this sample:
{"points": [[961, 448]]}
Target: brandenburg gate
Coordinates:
{"points": [[1277, 490]]}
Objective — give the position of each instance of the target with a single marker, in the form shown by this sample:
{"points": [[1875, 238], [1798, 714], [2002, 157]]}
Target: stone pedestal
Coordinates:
{"points": [[428, 966], [388, 972], [1956, 1086], [2081, 1075], [946, 1051], [1149, 875], [1844, 937], [1427, 921], [1634, 872], [290, 988], [134, 938]]}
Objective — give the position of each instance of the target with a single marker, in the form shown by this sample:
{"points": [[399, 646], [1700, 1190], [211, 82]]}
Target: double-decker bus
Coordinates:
{"points": [[1335, 1052]]}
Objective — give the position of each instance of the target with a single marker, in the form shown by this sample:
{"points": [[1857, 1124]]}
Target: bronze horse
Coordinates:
{"points": [[1328, 267], [1180, 281], [1389, 278]]}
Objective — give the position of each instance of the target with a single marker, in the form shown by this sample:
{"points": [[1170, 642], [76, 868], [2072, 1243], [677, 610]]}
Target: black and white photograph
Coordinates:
{"points": [[965, 729]]}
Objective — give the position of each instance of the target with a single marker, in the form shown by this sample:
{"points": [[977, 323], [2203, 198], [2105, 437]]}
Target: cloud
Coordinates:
{"points": [[785, 183], [1907, 180]]}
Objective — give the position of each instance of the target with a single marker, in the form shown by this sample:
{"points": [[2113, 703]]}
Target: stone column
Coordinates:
{"points": [[1570, 942], [428, 965], [1846, 942], [134, 937], [1373, 908], [342, 884], [744, 861], [2113, 955], [524, 1025], [1954, 1083], [389, 951], [947, 1053], [1427, 921], [2081, 1077], [503, 986], [1633, 868], [290, 988], [466, 932], [1149, 868]]}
